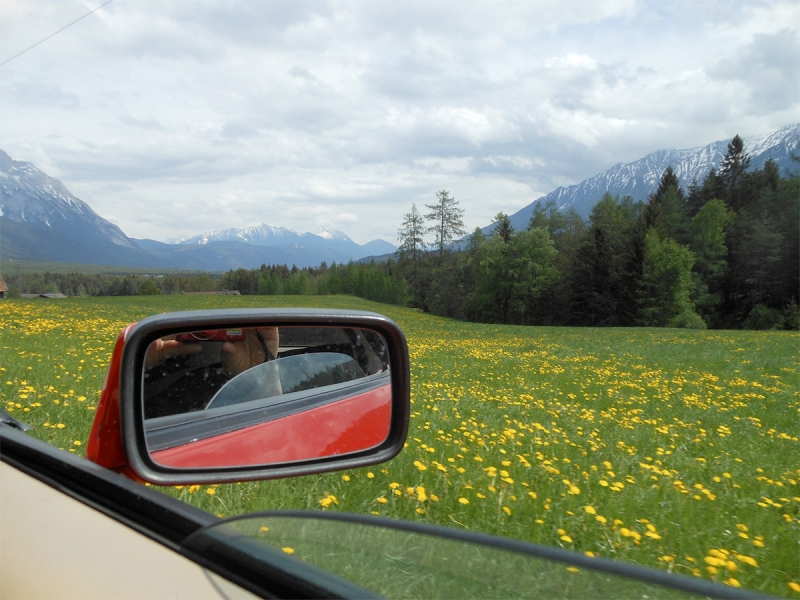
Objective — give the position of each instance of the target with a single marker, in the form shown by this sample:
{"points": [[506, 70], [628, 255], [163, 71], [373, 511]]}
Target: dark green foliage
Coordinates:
{"points": [[148, 288], [602, 292], [764, 317], [503, 228], [664, 294]]}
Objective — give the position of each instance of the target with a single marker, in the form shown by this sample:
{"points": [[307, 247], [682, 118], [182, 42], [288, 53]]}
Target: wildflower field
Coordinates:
{"points": [[673, 449]]}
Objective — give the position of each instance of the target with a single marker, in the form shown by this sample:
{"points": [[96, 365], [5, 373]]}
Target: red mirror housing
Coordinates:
{"points": [[363, 425]]}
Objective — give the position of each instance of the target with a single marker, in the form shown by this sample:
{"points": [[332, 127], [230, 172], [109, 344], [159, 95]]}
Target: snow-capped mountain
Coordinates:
{"points": [[641, 177], [258, 235], [332, 234], [269, 236], [31, 197]]}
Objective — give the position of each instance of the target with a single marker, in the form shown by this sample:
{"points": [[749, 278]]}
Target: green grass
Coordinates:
{"points": [[672, 449]]}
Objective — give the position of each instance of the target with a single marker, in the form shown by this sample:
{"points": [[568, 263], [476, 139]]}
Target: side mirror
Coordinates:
{"points": [[234, 395]]}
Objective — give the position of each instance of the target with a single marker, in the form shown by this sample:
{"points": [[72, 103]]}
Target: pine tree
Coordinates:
{"points": [[503, 227], [410, 235], [447, 223], [732, 170]]}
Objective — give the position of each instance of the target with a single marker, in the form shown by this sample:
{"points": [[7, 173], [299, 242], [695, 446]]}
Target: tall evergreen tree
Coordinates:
{"points": [[411, 234], [503, 227], [733, 173], [707, 232], [448, 225], [666, 283], [598, 274]]}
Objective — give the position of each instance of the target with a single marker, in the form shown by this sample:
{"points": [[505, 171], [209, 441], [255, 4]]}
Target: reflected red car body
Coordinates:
{"points": [[349, 425]]}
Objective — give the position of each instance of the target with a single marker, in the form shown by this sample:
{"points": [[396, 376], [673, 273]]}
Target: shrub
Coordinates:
{"points": [[763, 317], [688, 320]]}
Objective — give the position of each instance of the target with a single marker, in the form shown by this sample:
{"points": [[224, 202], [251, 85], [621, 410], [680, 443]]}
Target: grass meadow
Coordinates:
{"points": [[673, 449]]}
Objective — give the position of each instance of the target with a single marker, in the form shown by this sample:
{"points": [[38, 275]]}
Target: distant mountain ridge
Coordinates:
{"points": [[40, 219], [639, 178], [269, 236]]}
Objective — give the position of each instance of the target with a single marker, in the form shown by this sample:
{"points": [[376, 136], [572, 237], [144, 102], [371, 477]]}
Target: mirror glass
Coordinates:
{"points": [[265, 395]]}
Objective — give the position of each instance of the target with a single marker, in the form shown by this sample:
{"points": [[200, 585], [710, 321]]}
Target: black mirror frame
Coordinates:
{"points": [[146, 331]]}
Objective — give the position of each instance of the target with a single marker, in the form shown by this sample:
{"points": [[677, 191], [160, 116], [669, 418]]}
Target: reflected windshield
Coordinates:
{"points": [[288, 375]]}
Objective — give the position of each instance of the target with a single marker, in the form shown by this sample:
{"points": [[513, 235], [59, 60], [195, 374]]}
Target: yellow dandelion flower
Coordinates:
{"points": [[590, 509], [566, 538], [747, 560], [288, 550], [463, 500]]}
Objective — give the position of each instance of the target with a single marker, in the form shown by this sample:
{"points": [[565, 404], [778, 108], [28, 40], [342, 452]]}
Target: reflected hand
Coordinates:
{"points": [[237, 357], [166, 348]]}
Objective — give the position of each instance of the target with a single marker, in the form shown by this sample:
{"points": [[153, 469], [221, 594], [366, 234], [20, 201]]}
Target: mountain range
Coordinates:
{"points": [[271, 237], [41, 220], [639, 178]]}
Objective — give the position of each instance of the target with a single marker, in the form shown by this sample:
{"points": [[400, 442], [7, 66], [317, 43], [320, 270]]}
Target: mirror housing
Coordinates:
{"points": [[121, 438]]}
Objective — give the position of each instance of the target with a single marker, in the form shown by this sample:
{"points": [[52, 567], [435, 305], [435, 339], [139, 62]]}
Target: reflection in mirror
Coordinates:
{"points": [[265, 395]]}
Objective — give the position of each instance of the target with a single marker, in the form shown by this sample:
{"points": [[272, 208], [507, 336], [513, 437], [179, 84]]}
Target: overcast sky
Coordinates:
{"points": [[175, 118]]}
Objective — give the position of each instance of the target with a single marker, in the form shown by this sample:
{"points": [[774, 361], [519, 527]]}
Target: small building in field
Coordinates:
{"points": [[3, 288], [52, 296], [222, 293]]}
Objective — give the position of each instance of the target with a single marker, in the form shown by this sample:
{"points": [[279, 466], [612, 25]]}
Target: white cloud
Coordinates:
{"points": [[177, 118]]}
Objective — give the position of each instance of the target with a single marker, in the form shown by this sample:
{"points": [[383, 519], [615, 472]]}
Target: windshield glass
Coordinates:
{"points": [[393, 561]]}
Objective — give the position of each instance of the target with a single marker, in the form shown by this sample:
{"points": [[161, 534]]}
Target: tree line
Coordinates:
{"points": [[370, 281], [724, 253]]}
